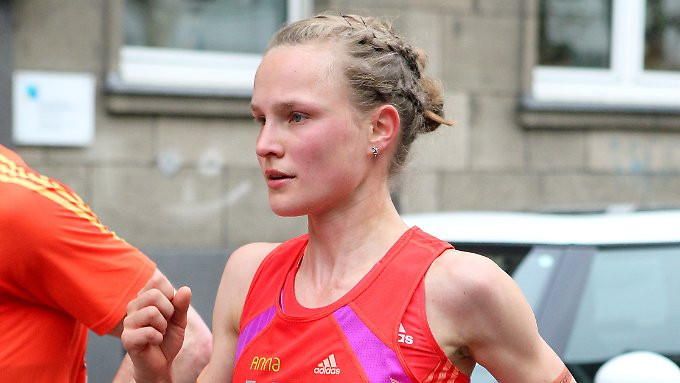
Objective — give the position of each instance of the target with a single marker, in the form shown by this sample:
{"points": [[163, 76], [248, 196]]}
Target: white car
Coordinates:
{"points": [[600, 284]]}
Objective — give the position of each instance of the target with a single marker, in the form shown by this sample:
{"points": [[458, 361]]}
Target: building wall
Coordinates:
{"points": [[180, 172]]}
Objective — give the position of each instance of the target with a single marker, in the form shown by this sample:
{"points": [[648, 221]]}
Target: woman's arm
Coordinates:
{"points": [[231, 296], [492, 319]]}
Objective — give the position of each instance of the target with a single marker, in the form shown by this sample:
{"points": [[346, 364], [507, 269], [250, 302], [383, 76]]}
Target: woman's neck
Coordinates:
{"points": [[343, 247]]}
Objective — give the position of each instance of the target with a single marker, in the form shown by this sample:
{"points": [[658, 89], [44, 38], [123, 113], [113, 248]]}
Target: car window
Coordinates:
{"points": [[533, 273], [631, 301], [507, 257]]}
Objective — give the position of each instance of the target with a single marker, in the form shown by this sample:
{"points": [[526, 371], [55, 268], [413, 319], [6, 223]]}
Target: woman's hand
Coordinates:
{"points": [[154, 332]]}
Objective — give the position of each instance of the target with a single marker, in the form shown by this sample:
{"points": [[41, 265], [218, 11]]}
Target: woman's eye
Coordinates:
{"points": [[297, 117], [260, 120]]}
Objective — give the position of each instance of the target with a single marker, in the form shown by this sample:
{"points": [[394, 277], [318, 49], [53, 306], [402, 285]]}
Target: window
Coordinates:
{"points": [[621, 52], [507, 257], [534, 273], [630, 302], [185, 46]]}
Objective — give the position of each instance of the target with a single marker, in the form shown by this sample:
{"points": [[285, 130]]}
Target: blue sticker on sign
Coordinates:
{"points": [[32, 91]]}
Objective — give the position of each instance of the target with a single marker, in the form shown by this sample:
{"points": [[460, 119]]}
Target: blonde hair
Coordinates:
{"points": [[380, 68]]}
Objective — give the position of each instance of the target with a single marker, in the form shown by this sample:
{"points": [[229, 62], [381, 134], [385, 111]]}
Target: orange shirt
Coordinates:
{"points": [[61, 272]]}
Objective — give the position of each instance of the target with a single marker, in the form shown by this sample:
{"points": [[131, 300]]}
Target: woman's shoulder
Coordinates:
{"points": [[244, 261], [237, 276], [462, 282], [465, 266], [250, 256], [253, 250]]}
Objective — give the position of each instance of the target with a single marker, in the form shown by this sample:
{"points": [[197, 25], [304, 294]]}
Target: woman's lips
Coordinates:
{"points": [[277, 179]]}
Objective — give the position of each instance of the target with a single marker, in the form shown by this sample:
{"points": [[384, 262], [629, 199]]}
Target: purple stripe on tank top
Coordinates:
{"points": [[379, 362], [253, 328]]}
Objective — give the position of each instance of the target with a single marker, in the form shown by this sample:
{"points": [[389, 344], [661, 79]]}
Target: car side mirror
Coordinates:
{"points": [[638, 367]]}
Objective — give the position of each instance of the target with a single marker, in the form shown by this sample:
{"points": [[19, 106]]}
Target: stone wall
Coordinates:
{"points": [[190, 179]]}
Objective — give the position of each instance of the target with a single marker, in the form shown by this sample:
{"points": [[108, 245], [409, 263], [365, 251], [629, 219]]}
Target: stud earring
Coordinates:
{"points": [[375, 151]]}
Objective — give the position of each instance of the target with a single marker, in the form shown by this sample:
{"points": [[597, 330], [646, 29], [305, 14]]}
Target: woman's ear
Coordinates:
{"points": [[385, 124]]}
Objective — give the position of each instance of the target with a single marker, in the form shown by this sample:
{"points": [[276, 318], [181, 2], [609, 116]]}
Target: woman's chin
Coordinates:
{"points": [[286, 210]]}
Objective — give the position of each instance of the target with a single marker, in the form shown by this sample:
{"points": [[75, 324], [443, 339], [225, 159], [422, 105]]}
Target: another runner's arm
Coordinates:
{"points": [[231, 295], [499, 327]]}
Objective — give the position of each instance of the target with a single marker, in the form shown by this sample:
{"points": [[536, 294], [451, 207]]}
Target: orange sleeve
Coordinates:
{"points": [[9, 155], [66, 259]]}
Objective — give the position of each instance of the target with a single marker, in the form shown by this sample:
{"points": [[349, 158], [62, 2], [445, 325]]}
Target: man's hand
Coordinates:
{"points": [[154, 332]]}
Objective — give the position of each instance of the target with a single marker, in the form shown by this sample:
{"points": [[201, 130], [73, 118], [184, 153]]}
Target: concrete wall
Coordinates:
{"points": [[481, 50], [499, 156]]}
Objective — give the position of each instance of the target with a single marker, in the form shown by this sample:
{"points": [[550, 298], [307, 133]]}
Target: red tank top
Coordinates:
{"points": [[365, 336]]}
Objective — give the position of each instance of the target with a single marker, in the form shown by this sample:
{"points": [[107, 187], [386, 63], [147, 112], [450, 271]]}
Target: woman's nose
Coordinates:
{"points": [[268, 143]]}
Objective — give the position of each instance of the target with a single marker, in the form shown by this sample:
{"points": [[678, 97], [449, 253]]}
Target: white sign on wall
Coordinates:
{"points": [[53, 108]]}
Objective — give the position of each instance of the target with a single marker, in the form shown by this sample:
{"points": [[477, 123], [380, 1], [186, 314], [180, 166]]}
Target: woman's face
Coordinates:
{"points": [[312, 146]]}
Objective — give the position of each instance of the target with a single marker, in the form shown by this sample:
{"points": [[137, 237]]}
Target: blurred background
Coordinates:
{"points": [[142, 107]]}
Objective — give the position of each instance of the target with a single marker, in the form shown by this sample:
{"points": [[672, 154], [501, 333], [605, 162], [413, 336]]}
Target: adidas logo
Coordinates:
{"points": [[403, 338], [328, 366]]}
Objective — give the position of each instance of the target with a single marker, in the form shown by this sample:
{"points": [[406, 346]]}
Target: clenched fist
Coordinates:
{"points": [[154, 332]]}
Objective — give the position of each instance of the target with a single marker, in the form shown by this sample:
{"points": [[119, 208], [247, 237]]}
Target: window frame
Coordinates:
{"points": [[150, 70], [624, 83]]}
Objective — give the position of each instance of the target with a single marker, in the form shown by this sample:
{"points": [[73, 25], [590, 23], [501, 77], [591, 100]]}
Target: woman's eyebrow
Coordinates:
{"points": [[284, 106]]}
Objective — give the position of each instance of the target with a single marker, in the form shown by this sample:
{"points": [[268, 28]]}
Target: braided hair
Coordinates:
{"points": [[380, 68]]}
